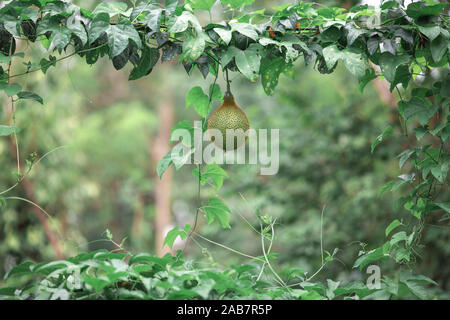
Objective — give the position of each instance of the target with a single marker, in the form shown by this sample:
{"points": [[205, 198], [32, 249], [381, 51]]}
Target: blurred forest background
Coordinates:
{"points": [[114, 132]]}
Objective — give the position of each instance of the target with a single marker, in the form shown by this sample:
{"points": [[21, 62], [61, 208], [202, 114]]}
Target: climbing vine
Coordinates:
{"points": [[400, 44]]}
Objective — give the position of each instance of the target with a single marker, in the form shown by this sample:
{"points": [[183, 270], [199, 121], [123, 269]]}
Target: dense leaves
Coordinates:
{"points": [[397, 43], [352, 37], [107, 275]]}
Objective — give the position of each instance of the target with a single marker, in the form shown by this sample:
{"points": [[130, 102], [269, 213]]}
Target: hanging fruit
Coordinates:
{"points": [[229, 116]]}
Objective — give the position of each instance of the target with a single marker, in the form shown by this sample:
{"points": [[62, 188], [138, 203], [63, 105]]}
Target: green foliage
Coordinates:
{"points": [[8, 130], [402, 48], [211, 172], [107, 275], [215, 209], [175, 233]]}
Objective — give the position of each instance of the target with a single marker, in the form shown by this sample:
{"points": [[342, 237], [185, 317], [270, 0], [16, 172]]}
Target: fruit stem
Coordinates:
{"points": [[228, 92]]}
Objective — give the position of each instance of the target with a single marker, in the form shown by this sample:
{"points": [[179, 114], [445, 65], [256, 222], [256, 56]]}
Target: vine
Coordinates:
{"points": [[402, 42]]}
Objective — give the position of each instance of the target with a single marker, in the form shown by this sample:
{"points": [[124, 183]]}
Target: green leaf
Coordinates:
{"points": [[369, 75], [199, 100], [420, 132], [99, 25], [419, 9], [248, 61], [164, 164], [438, 128], [444, 206], [216, 209], [386, 133], [78, 29], [30, 96], [288, 42], [422, 108], [8, 130], [183, 294], [171, 5], [398, 237], [180, 156], [332, 286], [201, 4], [111, 8], [11, 89], [213, 172], [353, 61], [175, 233], [431, 32], [25, 268], [389, 64], [365, 259], [193, 46], [271, 69], [181, 23], [184, 125], [438, 47], [119, 35], [404, 156], [97, 283], [7, 292], [237, 3], [148, 60], [60, 34], [402, 76], [215, 93], [30, 13], [402, 254], [416, 283], [353, 34], [245, 29], [45, 64], [4, 59], [386, 186], [153, 19], [394, 224], [439, 172], [224, 34]]}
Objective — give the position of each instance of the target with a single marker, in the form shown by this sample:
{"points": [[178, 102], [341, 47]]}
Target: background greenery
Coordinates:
{"points": [[104, 177]]}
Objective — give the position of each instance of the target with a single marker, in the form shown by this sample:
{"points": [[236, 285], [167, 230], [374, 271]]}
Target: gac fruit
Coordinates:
{"points": [[229, 116]]}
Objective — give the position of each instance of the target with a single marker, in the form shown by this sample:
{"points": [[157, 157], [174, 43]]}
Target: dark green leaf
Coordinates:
{"points": [[30, 96], [216, 209], [199, 100], [394, 224], [8, 130], [386, 133], [11, 89], [148, 60]]}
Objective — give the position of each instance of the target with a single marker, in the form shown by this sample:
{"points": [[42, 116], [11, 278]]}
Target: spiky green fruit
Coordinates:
{"points": [[229, 116]]}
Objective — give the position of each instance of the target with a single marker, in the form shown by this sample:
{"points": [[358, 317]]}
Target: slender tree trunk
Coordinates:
{"points": [[163, 186], [138, 216], [41, 216], [28, 186], [382, 87]]}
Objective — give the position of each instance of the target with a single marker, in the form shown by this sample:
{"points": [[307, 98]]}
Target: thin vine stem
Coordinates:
{"points": [[228, 248], [58, 60], [29, 170], [198, 207], [200, 172]]}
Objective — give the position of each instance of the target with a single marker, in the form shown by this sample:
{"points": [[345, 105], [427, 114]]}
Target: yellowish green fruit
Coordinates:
{"points": [[229, 116]]}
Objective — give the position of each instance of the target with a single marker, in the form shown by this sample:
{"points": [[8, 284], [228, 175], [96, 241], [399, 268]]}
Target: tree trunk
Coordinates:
{"points": [[162, 186], [382, 87], [28, 186]]}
